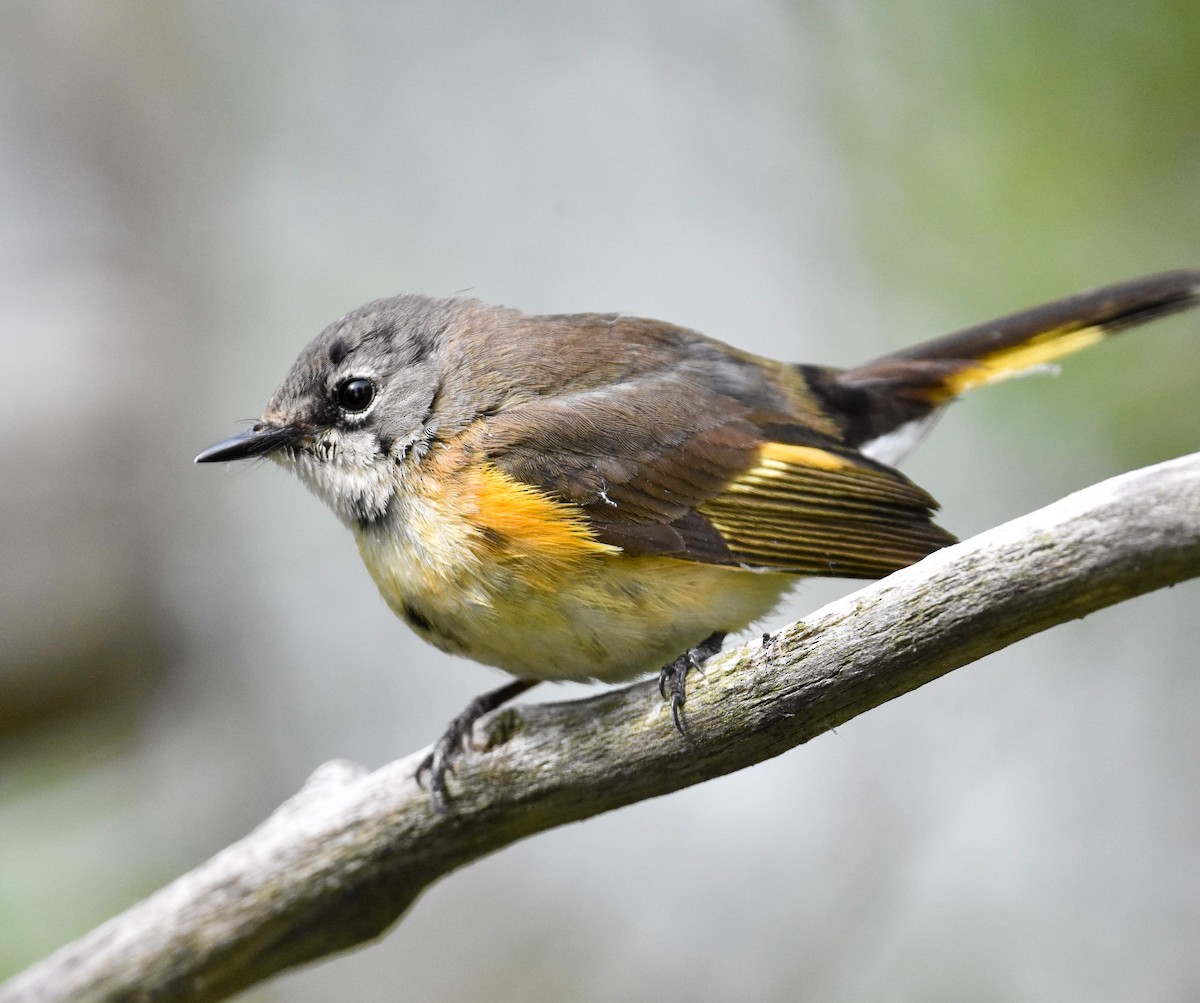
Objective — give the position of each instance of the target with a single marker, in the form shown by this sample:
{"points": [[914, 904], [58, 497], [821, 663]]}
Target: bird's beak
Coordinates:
{"points": [[258, 441]]}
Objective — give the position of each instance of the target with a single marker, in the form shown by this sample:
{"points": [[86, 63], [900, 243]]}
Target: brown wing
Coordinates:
{"points": [[666, 465]]}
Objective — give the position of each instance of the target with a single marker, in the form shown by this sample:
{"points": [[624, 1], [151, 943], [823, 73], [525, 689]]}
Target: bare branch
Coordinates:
{"points": [[343, 859]]}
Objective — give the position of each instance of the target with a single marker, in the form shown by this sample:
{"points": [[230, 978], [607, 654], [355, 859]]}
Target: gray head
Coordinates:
{"points": [[355, 405]]}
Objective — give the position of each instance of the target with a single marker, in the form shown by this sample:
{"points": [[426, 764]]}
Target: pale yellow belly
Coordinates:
{"points": [[602, 616]]}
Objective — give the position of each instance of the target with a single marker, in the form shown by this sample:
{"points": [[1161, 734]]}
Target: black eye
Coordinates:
{"points": [[354, 395]]}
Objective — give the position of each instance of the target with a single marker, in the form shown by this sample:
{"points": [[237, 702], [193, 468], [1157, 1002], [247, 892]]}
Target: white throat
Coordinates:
{"points": [[348, 474]]}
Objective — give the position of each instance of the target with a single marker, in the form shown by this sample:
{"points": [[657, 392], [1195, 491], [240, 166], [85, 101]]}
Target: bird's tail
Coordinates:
{"points": [[894, 397]]}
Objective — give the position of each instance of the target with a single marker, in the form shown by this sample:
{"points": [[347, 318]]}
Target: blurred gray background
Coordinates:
{"points": [[190, 191]]}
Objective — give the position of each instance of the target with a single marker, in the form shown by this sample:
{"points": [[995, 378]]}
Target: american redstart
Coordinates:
{"points": [[594, 496]]}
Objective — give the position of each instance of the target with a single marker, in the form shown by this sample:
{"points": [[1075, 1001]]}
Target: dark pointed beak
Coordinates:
{"points": [[258, 441]]}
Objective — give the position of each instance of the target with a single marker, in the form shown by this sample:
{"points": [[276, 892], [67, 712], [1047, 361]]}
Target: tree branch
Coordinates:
{"points": [[339, 862]]}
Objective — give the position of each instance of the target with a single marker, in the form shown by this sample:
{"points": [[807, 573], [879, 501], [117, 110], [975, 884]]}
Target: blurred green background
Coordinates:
{"points": [[192, 190]]}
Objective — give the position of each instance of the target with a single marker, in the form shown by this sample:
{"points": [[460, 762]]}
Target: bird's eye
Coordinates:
{"points": [[354, 395]]}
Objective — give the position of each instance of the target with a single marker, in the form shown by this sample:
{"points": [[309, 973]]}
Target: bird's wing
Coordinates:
{"points": [[668, 466]]}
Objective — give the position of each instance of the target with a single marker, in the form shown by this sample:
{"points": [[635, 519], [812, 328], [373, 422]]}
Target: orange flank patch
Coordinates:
{"points": [[518, 520]]}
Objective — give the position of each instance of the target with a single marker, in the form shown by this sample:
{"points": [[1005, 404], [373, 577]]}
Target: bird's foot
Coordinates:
{"points": [[431, 774], [672, 678]]}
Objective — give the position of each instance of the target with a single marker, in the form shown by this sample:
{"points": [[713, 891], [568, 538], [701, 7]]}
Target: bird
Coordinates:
{"points": [[597, 497]]}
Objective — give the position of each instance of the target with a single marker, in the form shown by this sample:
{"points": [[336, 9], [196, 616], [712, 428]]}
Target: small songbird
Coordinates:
{"points": [[595, 497]]}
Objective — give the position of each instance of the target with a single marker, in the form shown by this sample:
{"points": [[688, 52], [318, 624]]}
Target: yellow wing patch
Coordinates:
{"points": [[811, 511], [780, 456]]}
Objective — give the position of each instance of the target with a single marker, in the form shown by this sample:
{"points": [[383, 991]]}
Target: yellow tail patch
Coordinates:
{"points": [[1037, 351]]}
